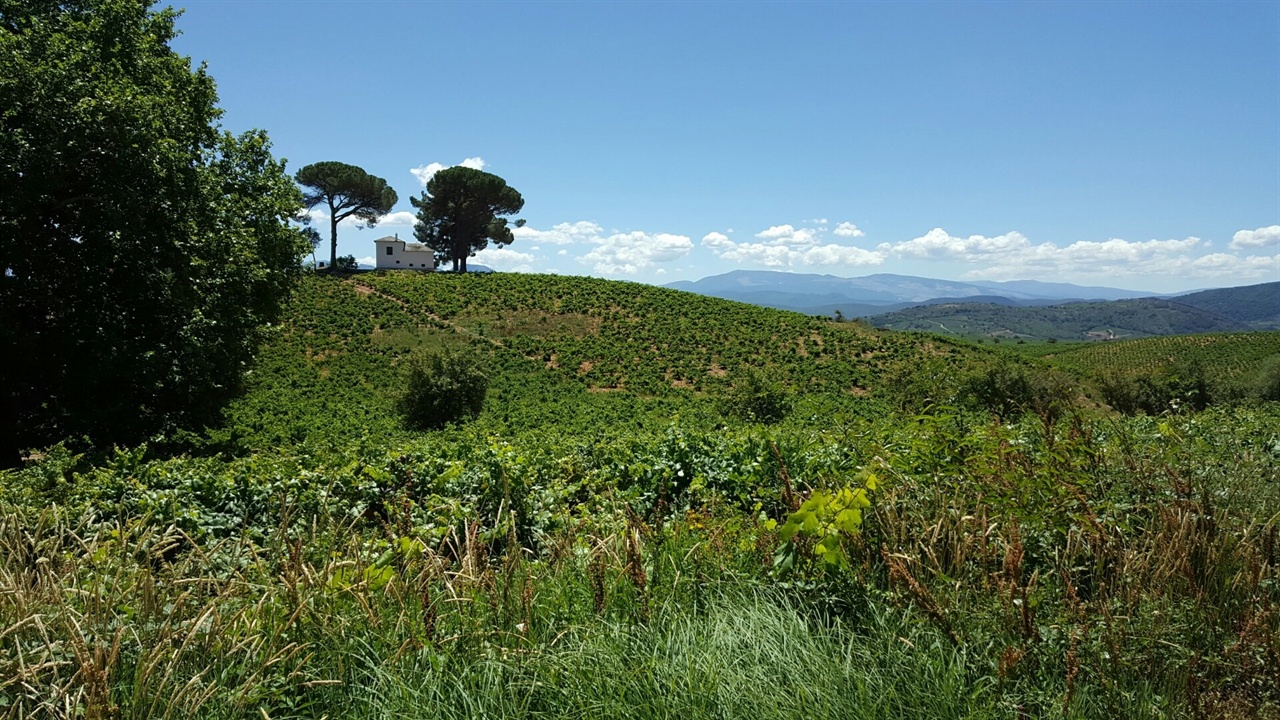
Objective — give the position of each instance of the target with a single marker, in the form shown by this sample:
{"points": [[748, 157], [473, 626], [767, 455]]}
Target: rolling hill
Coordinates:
{"points": [[1070, 321], [1254, 307], [566, 351]]}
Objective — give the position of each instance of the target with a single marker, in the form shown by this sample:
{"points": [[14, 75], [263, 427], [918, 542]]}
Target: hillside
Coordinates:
{"points": [[603, 525], [1257, 305], [571, 351], [1071, 321], [1226, 355]]}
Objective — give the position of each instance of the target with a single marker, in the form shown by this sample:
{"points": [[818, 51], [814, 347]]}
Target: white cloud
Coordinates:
{"points": [[788, 235], [505, 259], [1262, 237], [1012, 256], [367, 260], [320, 220], [424, 173], [937, 244], [715, 240], [561, 234], [848, 229], [401, 217], [629, 253], [778, 253]]}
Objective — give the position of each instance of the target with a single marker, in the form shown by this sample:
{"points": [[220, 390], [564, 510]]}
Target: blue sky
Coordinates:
{"points": [[1127, 144]]}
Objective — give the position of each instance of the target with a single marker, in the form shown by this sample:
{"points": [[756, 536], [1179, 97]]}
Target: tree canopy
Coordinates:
{"points": [[347, 191], [142, 250], [460, 212]]}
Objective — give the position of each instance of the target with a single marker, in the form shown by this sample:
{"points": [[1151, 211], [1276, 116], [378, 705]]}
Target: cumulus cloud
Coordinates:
{"points": [[715, 240], [401, 217], [424, 173], [1260, 238], [1013, 256], [848, 229], [788, 235], [780, 250], [937, 244], [629, 253], [561, 234], [320, 219], [367, 260], [505, 259]]}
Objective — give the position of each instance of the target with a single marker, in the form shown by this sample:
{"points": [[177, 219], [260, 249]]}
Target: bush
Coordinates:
{"points": [[1267, 382], [441, 387], [346, 263], [1002, 388], [757, 398], [1007, 389], [1180, 387]]}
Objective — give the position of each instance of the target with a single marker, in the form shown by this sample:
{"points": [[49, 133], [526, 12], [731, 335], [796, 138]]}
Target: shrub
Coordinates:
{"points": [[1180, 387], [346, 263], [1267, 383], [757, 398], [441, 387], [1003, 388]]}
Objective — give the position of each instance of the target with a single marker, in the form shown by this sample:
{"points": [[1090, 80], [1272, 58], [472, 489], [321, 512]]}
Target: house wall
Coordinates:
{"points": [[400, 258]]}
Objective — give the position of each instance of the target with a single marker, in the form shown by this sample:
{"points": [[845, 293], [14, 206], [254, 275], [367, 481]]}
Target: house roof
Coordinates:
{"points": [[412, 246]]}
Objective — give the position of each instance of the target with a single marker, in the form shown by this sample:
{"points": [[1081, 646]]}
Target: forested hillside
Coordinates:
{"points": [[1258, 305], [1072, 321]]}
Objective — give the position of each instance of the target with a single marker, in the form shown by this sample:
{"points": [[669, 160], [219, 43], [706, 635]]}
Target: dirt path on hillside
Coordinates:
{"points": [[366, 289]]}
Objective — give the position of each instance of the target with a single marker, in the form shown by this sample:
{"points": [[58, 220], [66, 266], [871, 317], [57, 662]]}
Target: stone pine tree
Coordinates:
{"points": [[461, 212], [143, 250], [347, 191]]}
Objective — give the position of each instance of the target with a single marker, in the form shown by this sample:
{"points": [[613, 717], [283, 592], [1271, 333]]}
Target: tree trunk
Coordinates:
{"points": [[333, 238]]}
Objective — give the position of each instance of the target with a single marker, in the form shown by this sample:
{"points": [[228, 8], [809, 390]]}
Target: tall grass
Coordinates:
{"points": [[1047, 569]]}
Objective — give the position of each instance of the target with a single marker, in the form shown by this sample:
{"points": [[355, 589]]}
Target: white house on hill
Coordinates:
{"points": [[396, 254]]}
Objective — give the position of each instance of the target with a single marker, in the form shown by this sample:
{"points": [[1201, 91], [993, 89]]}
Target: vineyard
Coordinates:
{"points": [[652, 340], [1228, 354], [605, 540]]}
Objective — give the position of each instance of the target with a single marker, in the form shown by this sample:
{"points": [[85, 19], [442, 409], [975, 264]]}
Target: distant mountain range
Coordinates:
{"points": [[870, 294], [1024, 308]]}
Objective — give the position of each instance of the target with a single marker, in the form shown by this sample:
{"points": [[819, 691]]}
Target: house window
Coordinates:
{"points": [[410, 264], [389, 250], [397, 262]]}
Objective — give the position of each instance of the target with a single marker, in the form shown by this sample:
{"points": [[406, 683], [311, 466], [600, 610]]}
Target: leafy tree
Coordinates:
{"points": [[757, 398], [1002, 387], [442, 387], [348, 191], [460, 213], [142, 250]]}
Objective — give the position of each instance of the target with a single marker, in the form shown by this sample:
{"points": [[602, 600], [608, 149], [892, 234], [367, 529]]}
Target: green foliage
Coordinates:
{"points": [[830, 520], [1003, 388], [440, 388], [142, 251], [1267, 381], [461, 211], [1007, 388], [1173, 388], [757, 398], [622, 553], [345, 263], [345, 191]]}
